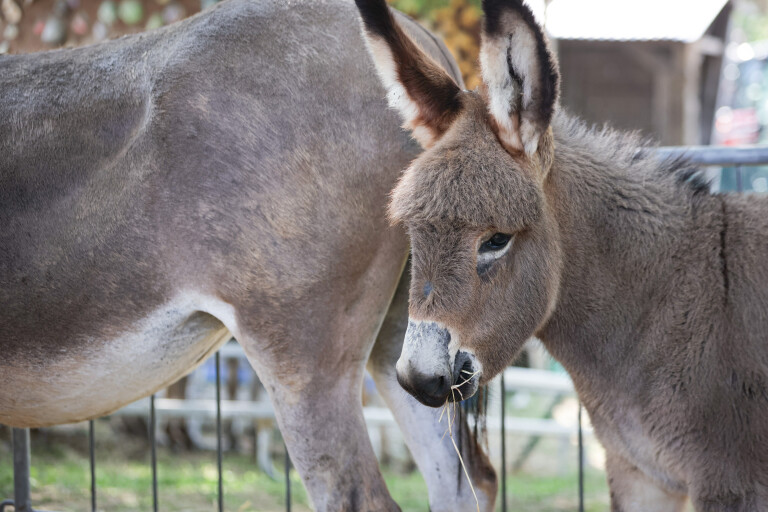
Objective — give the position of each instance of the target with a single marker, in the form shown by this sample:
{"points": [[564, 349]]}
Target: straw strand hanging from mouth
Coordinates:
{"points": [[449, 430]]}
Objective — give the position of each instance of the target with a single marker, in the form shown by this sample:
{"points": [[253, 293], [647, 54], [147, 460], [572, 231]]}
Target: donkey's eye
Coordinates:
{"points": [[491, 251], [495, 243]]}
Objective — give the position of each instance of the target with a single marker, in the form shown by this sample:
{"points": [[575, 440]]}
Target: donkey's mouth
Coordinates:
{"points": [[465, 377], [425, 369]]}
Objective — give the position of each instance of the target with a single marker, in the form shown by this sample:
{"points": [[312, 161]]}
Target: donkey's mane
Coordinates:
{"points": [[629, 151]]}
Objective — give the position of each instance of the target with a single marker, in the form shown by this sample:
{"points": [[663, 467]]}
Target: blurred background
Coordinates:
{"points": [[683, 72]]}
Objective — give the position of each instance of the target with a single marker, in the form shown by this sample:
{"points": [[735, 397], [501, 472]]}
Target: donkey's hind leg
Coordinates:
{"points": [[310, 353], [422, 428], [319, 411]]}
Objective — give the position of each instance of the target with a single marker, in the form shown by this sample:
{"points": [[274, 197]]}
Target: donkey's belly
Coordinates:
{"points": [[104, 375]]}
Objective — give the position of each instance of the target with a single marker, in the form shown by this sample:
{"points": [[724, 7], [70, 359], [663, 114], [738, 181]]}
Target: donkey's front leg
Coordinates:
{"points": [[422, 428], [309, 346], [632, 491]]}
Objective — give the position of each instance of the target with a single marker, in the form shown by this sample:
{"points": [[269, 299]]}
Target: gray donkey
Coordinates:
{"points": [[650, 291], [227, 172]]}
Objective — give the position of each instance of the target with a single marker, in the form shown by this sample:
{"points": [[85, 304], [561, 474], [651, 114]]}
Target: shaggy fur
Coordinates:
{"points": [[651, 292]]}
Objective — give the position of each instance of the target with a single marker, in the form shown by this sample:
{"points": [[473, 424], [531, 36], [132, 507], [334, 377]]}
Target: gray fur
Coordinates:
{"points": [[243, 155]]}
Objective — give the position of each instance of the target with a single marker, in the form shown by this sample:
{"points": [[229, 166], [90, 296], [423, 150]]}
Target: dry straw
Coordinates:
{"points": [[451, 416]]}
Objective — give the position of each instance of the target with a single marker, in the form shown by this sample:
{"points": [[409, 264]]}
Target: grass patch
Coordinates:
{"points": [[60, 480], [188, 482]]}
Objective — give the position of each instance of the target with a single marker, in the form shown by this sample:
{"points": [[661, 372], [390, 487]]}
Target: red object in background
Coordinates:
{"points": [[79, 24], [38, 28], [737, 127]]}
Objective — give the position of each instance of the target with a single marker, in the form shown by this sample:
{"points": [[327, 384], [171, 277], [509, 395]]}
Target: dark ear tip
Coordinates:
{"points": [[514, 4], [376, 15], [368, 5], [493, 10]]}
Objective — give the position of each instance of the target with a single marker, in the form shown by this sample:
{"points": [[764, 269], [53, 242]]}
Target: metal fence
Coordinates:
{"points": [[726, 157]]}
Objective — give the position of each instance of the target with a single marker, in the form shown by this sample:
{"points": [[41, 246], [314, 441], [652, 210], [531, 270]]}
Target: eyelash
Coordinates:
{"points": [[496, 242]]}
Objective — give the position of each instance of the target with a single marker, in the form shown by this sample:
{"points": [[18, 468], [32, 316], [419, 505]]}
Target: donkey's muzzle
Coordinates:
{"points": [[426, 371]]}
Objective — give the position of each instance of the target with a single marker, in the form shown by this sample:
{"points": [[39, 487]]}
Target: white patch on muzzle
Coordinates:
{"points": [[425, 354], [431, 352]]}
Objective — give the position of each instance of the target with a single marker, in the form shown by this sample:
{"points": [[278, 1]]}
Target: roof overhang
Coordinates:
{"points": [[685, 21]]}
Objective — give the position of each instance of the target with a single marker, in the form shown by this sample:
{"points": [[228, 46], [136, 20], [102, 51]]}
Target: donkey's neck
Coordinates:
{"points": [[630, 229]]}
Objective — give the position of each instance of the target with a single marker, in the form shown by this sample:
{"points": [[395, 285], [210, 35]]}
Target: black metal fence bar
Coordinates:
{"points": [[153, 450], [21, 465], [218, 433], [581, 463], [287, 481], [92, 456], [503, 446]]}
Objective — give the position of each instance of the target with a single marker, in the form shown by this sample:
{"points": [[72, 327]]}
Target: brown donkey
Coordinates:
{"points": [[230, 171], [649, 290]]}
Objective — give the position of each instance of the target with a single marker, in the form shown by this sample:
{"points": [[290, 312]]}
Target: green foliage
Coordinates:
{"points": [[754, 25], [424, 9]]}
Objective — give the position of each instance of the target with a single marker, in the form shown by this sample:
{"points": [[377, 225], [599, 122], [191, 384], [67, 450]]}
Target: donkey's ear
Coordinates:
{"points": [[520, 74], [425, 95]]}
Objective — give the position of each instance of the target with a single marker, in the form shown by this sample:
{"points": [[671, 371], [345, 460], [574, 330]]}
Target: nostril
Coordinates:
{"points": [[431, 390], [439, 386], [463, 369], [465, 373]]}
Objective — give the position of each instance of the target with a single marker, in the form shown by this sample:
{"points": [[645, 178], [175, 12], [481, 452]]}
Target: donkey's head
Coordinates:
{"points": [[485, 248]]}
